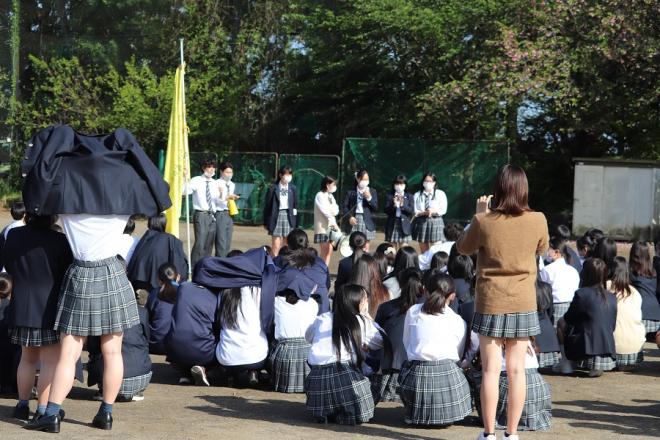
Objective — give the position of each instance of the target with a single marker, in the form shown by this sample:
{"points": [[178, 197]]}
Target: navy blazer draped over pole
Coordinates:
{"points": [[272, 206], [67, 172], [154, 249], [317, 272], [369, 207]]}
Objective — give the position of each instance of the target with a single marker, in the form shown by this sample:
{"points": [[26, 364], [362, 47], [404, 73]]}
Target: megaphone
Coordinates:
{"points": [[340, 241]]}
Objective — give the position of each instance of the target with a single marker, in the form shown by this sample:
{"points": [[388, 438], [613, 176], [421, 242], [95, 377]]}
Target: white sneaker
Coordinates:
{"points": [[483, 437], [511, 437], [199, 376]]}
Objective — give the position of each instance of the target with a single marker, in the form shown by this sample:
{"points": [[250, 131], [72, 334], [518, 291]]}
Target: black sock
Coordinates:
{"points": [[486, 434], [506, 434]]}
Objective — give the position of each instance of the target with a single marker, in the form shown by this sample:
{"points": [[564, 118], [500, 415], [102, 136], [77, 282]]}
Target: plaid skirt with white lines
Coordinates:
{"points": [[510, 325], [397, 235], [434, 392], [134, 385], [536, 415], [651, 326], [385, 386], [338, 390], [559, 310], [362, 227], [548, 359], [34, 337], [282, 227], [321, 238], [604, 363], [96, 299], [288, 363], [625, 360], [428, 229]]}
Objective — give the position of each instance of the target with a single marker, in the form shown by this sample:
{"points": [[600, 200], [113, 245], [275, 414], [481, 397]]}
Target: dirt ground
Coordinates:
{"points": [[616, 405]]}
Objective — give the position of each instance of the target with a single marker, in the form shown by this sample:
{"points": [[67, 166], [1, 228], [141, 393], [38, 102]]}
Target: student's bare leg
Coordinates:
{"points": [[27, 368], [49, 355], [326, 252], [113, 366], [491, 363], [276, 245], [65, 371], [515, 373]]}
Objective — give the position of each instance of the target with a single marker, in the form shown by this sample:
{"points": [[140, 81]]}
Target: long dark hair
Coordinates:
{"points": [[439, 260], [40, 221], [511, 191], [605, 249], [367, 275], [167, 274], [640, 260], [300, 255], [406, 257], [157, 222], [620, 276], [327, 180], [357, 240], [559, 244], [460, 266], [345, 325], [543, 295], [594, 274], [438, 288], [231, 302], [412, 288]]}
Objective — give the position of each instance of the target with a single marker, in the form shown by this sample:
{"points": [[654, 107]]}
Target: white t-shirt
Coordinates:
{"points": [[126, 245], [320, 336], [246, 343], [93, 237], [433, 337], [293, 320], [563, 278]]}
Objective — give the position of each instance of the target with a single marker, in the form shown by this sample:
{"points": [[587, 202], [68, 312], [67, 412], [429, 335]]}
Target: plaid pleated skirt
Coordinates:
{"points": [[536, 415], [651, 326], [510, 325], [604, 363], [559, 310], [288, 363], [385, 386], [397, 235], [96, 299], [362, 227], [34, 337], [434, 392], [548, 359], [282, 227], [321, 238], [338, 390], [134, 385], [428, 229], [626, 360]]}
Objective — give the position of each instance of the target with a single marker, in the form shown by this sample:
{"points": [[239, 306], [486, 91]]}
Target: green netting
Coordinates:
{"points": [[464, 169], [308, 172], [253, 172]]}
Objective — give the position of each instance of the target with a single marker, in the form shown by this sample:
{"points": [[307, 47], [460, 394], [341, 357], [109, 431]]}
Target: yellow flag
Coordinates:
{"points": [[177, 161]]}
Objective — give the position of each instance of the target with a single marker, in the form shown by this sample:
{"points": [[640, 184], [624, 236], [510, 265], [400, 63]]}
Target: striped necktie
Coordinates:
{"points": [[427, 201], [208, 195]]}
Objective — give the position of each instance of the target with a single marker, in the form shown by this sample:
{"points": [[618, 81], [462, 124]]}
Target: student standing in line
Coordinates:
{"points": [[280, 209], [325, 216], [361, 204], [224, 225], [399, 207], [430, 206], [205, 194]]}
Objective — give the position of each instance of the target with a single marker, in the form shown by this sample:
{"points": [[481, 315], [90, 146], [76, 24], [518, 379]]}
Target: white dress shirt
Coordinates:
{"points": [[359, 206], [563, 278], [225, 189], [438, 202], [433, 337], [246, 343], [284, 199], [93, 237], [293, 320], [197, 187], [320, 336], [126, 245], [426, 257]]}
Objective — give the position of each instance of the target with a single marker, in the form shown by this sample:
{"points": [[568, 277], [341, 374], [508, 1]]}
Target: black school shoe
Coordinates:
{"points": [[44, 424], [62, 414], [22, 412], [103, 420]]}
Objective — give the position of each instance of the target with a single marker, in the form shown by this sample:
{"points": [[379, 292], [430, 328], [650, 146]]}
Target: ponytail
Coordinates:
{"points": [[168, 275]]}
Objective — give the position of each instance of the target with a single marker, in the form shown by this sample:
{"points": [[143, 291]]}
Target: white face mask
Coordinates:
{"points": [[332, 189], [287, 178], [428, 186], [209, 174], [399, 188], [362, 184], [227, 177]]}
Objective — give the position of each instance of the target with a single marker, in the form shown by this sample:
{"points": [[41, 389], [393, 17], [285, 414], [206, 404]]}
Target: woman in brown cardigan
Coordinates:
{"points": [[508, 238]]}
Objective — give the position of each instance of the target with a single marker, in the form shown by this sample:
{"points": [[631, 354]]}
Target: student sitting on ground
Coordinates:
{"points": [[587, 329], [337, 389], [434, 390], [563, 277], [546, 341], [159, 305]]}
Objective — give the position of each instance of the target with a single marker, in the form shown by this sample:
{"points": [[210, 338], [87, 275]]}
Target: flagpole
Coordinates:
{"points": [[185, 127]]}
